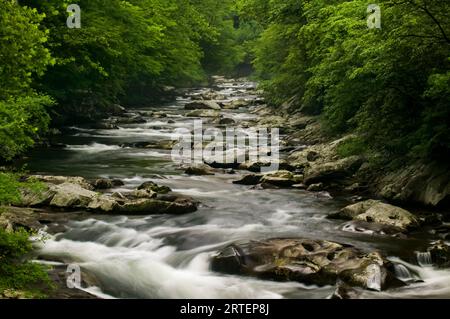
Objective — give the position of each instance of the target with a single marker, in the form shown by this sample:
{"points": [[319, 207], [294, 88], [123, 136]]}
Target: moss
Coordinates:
{"points": [[351, 147], [11, 184], [20, 278]]}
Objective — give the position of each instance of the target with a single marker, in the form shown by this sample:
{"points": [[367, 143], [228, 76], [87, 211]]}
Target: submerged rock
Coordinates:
{"points": [[316, 262]]}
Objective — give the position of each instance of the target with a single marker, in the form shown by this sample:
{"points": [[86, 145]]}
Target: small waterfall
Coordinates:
{"points": [[374, 277], [424, 258], [401, 272]]}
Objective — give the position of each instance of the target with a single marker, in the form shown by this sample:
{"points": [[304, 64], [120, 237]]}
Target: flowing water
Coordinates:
{"points": [[168, 256]]}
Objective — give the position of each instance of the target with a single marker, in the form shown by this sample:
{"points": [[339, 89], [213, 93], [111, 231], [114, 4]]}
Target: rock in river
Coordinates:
{"points": [[201, 105], [374, 211], [149, 198], [316, 262]]}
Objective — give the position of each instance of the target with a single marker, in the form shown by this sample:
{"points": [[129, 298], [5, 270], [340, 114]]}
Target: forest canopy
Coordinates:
{"points": [[390, 85]]}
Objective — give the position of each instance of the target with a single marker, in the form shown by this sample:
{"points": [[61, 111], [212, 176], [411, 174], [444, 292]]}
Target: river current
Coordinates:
{"points": [[162, 256]]}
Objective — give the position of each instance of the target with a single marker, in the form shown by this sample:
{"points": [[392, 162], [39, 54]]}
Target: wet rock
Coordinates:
{"points": [[351, 211], [425, 183], [105, 125], [58, 276], [312, 156], [116, 109], [36, 198], [370, 228], [332, 170], [105, 183], [279, 178], [159, 114], [374, 211], [217, 165], [199, 170], [155, 206], [151, 186], [142, 193], [13, 218], [236, 104], [299, 186], [344, 291], [57, 180], [203, 113], [353, 187], [257, 167], [202, 105], [315, 187], [103, 204], [440, 253], [135, 119], [226, 121], [162, 145], [250, 179], [70, 196], [317, 262], [389, 215]]}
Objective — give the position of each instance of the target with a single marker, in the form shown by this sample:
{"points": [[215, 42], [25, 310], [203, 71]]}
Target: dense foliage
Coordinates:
{"points": [[20, 278], [392, 85], [125, 52]]}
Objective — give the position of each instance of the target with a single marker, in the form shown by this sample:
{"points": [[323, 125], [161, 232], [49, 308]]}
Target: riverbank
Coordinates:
{"points": [[134, 220]]}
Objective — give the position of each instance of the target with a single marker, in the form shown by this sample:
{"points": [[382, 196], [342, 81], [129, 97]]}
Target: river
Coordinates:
{"points": [[168, 256]]}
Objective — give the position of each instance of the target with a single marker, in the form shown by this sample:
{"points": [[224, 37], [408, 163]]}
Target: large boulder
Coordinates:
{"points": [[199, 170], [149, 198], [155, 206], [36, 197], [202, 105], [316, 262], [57, 180], [103, 204], [203, 113], [342, 168], [279, 178], [351, 211], [71, 196], [374, 211], [425, 183]]}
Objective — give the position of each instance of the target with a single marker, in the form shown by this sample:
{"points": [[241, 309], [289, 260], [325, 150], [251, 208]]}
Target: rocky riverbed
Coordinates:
{"points": [[140, 225]]}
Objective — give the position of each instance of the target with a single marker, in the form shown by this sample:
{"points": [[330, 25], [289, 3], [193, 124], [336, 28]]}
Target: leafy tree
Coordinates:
{"points": [[23, 56]]}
